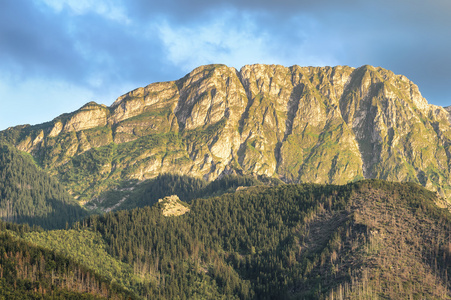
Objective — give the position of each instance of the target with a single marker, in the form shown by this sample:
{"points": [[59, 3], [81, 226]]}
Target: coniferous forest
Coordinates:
{"points": [[365, 240], [31, 272], [29, 195]]}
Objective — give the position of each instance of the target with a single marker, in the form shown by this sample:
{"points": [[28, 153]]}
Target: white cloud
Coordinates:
{"points": [[217, 42], [108, 9], [224, 40]]}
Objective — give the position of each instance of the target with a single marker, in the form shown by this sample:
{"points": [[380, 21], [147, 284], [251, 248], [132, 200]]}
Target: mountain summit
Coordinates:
{"points": [[299, 124]]}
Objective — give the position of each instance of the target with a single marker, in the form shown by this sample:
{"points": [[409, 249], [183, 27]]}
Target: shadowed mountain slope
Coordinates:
{"points": [[30, 195]]}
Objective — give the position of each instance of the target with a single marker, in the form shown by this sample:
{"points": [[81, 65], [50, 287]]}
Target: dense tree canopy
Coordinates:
{"points": [[31, 272], [369, 239], [30, 195], [300, 241]]}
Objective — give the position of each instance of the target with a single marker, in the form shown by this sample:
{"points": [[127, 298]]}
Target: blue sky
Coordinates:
{"points": [[56, 55]]}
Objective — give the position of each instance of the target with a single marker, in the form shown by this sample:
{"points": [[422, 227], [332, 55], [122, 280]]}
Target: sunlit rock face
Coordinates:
{"points": [[299, 124]]}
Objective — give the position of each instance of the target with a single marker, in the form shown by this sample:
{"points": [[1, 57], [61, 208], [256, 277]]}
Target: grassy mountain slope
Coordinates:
{"points": [[31, 272], [365, 240], [29, 195], [298, 124]]}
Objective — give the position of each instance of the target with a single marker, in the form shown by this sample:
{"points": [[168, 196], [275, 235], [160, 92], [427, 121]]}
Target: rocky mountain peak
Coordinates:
{"points": [[299, 124]]}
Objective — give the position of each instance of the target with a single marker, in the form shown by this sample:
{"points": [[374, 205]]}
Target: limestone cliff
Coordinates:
{"points": [[448, 109], [300, 124]]}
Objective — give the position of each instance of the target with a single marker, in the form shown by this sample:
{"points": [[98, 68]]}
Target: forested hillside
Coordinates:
{"points": [[131, 195], [30, 195], [365, 240], [31, 272]]}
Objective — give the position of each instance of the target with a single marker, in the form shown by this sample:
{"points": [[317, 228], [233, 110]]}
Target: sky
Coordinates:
{"points": [[57, 55]]}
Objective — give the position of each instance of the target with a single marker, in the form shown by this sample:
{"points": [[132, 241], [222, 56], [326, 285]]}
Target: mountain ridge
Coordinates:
{"points": [[299, 124]]}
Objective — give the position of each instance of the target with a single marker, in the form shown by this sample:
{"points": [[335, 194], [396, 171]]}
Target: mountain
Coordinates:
{"points": [[298, 124], [30, 195], [365, 240]]}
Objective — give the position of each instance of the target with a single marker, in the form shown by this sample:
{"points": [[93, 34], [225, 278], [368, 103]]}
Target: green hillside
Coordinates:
{"points": [[31, 272], [29, 195], [365, 240], [131, 195]]}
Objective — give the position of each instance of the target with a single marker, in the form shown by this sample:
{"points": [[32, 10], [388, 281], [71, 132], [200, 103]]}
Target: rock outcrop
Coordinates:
{"points": [[300, 124], [172, 206]]}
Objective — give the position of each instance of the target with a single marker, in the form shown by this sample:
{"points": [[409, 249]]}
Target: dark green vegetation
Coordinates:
{"points": [[132, 195], [30, 195], [31, 272], [366, 240]]}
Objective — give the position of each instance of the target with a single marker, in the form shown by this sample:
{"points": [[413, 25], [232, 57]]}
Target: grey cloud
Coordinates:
{"points": [[36, 41], [188, 10], [33, 43]]}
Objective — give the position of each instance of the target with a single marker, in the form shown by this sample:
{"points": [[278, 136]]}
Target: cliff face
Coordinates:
{"points": [[301, 124]]}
